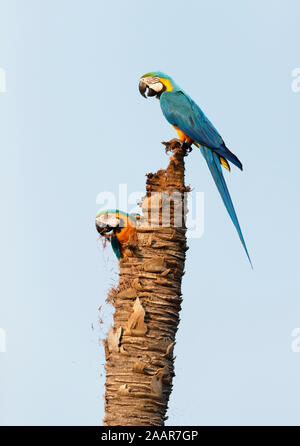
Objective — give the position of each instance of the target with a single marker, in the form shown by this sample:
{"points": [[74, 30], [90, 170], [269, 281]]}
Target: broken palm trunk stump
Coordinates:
{"points": [[147, 301]]}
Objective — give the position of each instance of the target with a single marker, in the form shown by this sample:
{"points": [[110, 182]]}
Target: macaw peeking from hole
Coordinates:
{"points": [[193, 127], [119, 228]]}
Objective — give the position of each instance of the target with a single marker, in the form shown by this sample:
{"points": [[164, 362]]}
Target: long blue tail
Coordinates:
{"points": [[214, 165]]}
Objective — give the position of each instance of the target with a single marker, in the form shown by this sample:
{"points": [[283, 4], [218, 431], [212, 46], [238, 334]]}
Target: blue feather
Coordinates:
{"points": [[215, 168], [182, 112], [116, 247]]}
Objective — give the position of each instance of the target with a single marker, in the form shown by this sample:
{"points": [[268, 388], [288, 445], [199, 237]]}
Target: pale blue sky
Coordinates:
{"points": [[72, 125]]}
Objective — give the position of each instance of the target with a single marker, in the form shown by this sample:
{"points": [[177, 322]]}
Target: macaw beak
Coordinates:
{"points": [[142, 88], [101, 227]]}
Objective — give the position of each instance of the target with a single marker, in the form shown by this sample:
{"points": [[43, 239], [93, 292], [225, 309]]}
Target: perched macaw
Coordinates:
{"points": [[193, 127], [118, 227]]}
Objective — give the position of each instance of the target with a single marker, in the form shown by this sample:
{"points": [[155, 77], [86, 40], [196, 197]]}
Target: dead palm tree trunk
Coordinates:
{"points": [[147, 301]]}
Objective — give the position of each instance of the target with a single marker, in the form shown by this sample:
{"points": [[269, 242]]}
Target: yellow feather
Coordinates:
{"points": [[166, 83], [224, 163]]}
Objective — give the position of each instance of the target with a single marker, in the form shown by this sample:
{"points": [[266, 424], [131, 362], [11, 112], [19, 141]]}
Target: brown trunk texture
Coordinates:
{"points": [[147, 301]]}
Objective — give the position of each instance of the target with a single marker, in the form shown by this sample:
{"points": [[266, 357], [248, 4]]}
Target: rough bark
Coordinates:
{"points": [[139, 347]]}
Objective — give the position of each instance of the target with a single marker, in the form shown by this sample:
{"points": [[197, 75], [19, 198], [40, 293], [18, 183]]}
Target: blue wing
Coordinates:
{"points": [[215, 168], [182, 112], [116, 247]]}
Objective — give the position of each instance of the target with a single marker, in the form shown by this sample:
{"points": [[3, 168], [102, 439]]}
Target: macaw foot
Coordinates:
{"points": [[175, 144], [187, 147]]}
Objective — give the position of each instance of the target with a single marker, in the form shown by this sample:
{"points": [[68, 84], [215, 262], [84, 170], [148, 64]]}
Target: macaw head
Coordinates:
{"points": [[155, 83], [109, 222]]}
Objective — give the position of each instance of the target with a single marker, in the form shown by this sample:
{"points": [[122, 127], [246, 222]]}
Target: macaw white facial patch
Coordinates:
{"points": [[154, 83], [108, 220]]}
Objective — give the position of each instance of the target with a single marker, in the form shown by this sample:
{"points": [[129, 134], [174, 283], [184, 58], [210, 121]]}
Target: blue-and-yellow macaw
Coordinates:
{"points": [[118, 227], [193, 127]]}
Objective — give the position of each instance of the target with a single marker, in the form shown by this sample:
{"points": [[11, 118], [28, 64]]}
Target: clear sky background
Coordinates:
{"points": [[72, 125]]}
